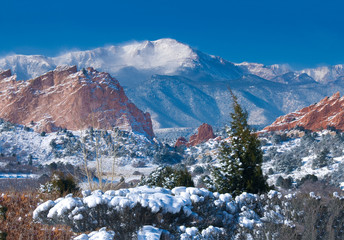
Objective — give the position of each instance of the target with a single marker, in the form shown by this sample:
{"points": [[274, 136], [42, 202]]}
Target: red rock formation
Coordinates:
{"points": [[181, 142], [66, 98], [327, 112], [5, 74], [204, 133]]}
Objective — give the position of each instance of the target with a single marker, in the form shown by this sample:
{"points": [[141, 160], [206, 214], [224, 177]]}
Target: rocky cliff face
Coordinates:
{"points": [[328, 112], [204, 133], [67, 98]]}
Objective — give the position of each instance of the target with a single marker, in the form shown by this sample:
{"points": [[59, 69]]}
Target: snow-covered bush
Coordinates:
{"points": [[198, 170], [290, 155], [322, 159], [287, 162], [166, 154], [168, 177], [102, 234], [184, 212], [285, 183], [194, 213]]}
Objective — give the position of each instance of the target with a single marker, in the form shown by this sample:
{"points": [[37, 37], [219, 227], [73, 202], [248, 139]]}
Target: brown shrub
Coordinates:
{"points": [[19, 224]]}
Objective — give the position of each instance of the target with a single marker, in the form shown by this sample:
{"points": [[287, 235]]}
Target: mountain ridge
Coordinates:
{"points": [[159, 57], [266, 91]]}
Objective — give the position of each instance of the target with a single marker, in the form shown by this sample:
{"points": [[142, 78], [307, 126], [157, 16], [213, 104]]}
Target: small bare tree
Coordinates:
{"points": [[115, 149], [103, 183], [86, 169]]}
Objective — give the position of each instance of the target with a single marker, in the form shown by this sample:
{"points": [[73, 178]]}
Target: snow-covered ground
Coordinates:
{"points": [[67, 146], [17, 176], [310, 153], [136, 155]]}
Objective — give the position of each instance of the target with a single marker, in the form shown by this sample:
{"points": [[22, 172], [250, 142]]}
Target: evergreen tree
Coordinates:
{"points": [[241, 159], [168, 177], [322, 159]]}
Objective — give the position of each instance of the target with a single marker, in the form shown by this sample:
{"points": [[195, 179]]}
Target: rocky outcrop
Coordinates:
{"points": [[204, 133], [181, 141], [67, 98], [5, 74], [328, 112]]}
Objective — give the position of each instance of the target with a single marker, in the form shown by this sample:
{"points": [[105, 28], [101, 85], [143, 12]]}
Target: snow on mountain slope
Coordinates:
{"points": [[27, 67], [131, 63], [192, 86], [294, 78], [211, 68], [263, 71], [325, 74], [174, 102], [164, 56]]}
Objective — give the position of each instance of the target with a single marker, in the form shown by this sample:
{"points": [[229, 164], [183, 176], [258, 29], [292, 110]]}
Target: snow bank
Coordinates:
{"points": [[102, 234]]}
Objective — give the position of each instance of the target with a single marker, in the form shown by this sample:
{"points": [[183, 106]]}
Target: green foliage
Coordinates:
{"points": [[241, 159], [285, 183], [167, 155], [60, 183], [3, 211], [3, 235], [308, 178], [53, 166], [65, 183], [322, 159], [30, 160], [168, 177]]}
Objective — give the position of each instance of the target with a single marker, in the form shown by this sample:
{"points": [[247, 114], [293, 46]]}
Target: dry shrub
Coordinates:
{"points": [[19, 224], [20, 185], [323, 218], [317, 219]]}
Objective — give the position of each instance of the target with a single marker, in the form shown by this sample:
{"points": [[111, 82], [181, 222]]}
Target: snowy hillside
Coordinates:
{"points": [[70, 146], [183, 87]]}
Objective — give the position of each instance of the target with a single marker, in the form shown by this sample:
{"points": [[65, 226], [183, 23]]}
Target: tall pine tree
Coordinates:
{"points": [[240, 159]]}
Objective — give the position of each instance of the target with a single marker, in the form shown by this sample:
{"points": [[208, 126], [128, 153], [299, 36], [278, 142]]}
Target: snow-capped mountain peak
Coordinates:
{"points": [[264, 71], [26, 67], [325, 74], [165, 56], [168, 55]]}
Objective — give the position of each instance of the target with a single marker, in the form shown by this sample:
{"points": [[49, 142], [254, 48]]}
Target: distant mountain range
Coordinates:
{"points": [[184, 87]]}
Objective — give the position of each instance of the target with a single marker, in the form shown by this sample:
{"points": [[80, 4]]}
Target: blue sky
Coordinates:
{"points": [[302, 33]]}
